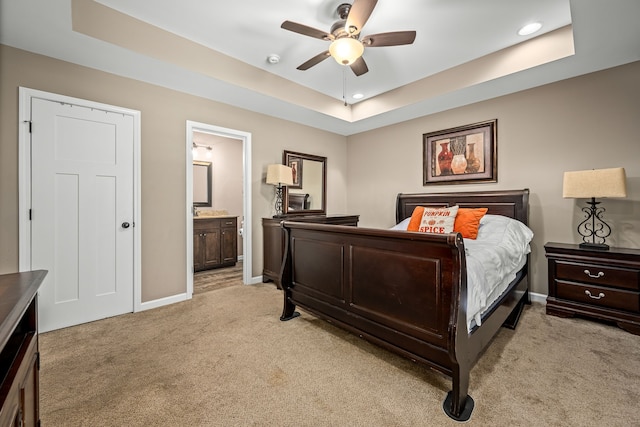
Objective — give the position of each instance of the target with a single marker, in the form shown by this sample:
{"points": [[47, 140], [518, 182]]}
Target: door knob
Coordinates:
{"points": [[125, 225]]}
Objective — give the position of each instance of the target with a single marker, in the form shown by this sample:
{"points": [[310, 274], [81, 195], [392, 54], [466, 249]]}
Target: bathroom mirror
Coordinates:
{"points": [[202, 183], [307, 195]]}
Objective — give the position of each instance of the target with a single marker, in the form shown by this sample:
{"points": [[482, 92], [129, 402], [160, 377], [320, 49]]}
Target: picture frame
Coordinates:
{"points": [[461, 155], [296, 165]]}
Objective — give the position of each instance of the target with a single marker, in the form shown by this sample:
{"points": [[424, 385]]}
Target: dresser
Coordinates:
{"points": [[273, 239], [593, 283], [215, 242], [19, 356]]}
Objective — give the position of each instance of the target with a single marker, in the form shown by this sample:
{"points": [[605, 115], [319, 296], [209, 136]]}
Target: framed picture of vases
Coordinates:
{"points": [[461, 155], [295, 163]]}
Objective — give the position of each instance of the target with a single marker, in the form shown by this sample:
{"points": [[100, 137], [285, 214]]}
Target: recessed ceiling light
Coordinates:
{"points": [[358, 96], [529, 29]]}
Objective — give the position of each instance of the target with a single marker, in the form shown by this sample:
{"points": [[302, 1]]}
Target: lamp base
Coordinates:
{"points": [[594, 246], [279, 211], [594, 228]]}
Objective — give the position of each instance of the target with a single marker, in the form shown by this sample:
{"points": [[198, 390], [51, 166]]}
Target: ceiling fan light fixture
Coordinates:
{"points": [[346, 50], [346, 45]]}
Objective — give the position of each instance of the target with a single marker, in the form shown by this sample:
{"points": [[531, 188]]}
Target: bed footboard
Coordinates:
{"points": [[401, 291]]}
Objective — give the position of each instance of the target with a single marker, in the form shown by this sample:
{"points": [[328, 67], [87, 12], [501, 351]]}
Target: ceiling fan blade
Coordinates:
{"points": [[306, 31], [314, 61], [389, 39], [359, 14], [359, 67]]}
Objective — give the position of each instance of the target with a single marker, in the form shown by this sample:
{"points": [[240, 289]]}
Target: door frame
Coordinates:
{"points": [[245, 137], [24, 178]]}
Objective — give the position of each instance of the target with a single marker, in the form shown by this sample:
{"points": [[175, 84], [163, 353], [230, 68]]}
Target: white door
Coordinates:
{"points": [[81, 212]]}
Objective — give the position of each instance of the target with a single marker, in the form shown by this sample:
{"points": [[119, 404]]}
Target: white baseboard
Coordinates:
{"points": [[255, 280], [148, 305], [535, 297], [538, 298]]}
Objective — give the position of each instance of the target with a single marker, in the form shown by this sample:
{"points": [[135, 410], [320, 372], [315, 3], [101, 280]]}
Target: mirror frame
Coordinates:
{"points": [[199, 163], [287, 156]]}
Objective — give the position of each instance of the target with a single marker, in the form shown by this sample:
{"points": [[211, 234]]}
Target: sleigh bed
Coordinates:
{"points": [[404, 291]]}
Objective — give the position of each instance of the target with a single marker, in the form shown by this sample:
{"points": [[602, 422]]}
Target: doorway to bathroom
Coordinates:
{"points": [[221, 194]]}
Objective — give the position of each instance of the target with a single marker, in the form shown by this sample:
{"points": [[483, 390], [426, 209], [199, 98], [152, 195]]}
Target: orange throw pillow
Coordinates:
{"points": [[433, 220], [468, 221]]}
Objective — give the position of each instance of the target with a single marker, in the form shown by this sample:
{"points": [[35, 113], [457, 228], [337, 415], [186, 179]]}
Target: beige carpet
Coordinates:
{"points": [[225, 359]]}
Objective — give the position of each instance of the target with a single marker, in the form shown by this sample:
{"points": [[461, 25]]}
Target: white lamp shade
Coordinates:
{"points": [[595, 183], [346, 50], [279, 175]]}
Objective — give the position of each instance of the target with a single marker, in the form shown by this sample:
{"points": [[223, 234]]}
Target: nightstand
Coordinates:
{"points": [[594, 283]]}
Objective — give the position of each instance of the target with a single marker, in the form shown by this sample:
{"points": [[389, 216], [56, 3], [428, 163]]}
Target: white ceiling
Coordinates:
{"points": [[449, 33]]}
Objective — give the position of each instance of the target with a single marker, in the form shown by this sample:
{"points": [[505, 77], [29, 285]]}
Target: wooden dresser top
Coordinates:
{"points": [[16, 291]]}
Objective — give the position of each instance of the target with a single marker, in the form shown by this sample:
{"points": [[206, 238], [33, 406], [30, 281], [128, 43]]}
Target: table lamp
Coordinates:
{"points": [[279, 175], [592, 184]]}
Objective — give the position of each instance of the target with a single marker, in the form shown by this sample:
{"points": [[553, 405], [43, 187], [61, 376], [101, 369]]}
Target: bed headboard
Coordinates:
{"points": [[298, 201], [511, 203]]}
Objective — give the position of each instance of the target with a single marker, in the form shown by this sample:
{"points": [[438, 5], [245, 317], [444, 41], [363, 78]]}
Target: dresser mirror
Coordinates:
{"points": [[202, 184], [307, 195]]}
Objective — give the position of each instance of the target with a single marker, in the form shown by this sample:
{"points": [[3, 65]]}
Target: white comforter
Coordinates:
{"points": [[493, 259]]}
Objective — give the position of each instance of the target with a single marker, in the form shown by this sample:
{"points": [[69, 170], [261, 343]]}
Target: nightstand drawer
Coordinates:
{"points": [[599, 296], [598, 274]]}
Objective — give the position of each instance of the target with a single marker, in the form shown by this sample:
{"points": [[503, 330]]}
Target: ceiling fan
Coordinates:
{"points": [[346, 46]]}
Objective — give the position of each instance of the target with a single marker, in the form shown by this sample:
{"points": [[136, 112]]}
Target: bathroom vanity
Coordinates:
{"points": [[215, 242]]}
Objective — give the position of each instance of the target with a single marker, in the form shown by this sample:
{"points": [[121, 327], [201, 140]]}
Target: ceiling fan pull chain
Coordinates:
{"points": [[344, 85]]}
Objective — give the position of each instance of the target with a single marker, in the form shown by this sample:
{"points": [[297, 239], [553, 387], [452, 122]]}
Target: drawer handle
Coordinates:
{"points": [[594, 276], [600, 295]]}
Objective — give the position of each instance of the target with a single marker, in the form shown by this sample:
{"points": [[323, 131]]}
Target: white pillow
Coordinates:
{"points": [[402, 225], [500, 229]]}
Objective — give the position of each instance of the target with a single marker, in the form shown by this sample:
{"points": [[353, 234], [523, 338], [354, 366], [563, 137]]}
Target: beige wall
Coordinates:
{"points": [[164, 116], [581, 123], [589, 122]]}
